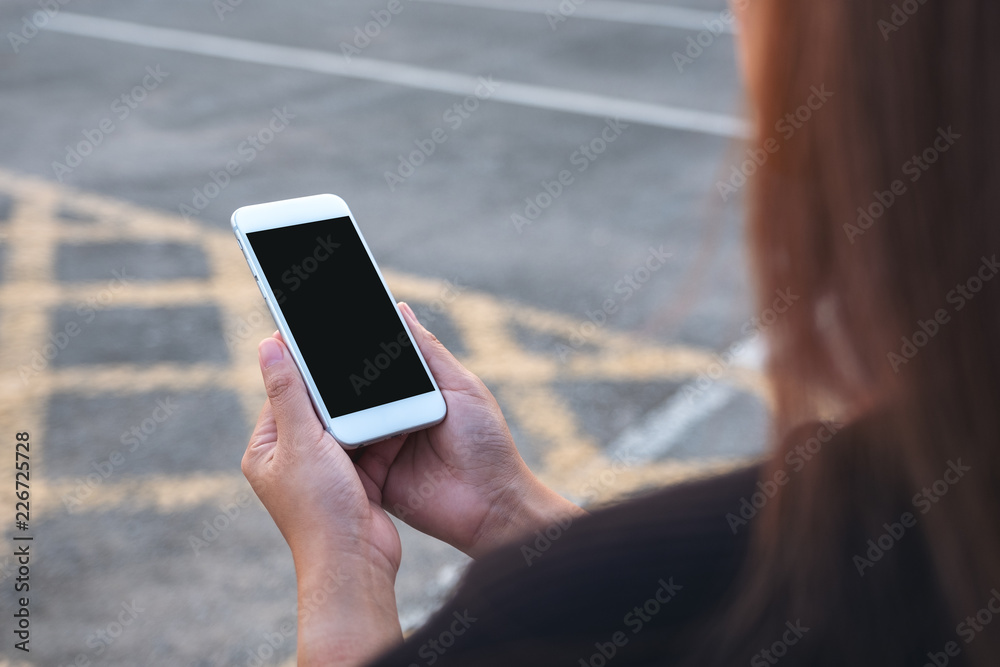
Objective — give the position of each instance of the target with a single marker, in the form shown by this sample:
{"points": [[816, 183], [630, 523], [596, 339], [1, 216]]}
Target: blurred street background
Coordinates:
{"points": [[538, 179]]}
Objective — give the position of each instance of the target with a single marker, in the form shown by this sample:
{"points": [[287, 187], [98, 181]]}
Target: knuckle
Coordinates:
{"points": [[278, 385], [246, 466]]}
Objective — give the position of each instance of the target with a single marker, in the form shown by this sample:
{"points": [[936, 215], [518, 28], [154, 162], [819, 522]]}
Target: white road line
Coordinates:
{"points": [[324, 62], [666, 426], [662, 16]]}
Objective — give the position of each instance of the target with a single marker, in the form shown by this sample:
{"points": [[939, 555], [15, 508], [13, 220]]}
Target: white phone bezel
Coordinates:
{"points": [[357, 428]]}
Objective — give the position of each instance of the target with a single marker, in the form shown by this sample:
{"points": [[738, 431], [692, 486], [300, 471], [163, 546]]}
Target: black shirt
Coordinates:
{"points": [[653, 580], [629, 583]]}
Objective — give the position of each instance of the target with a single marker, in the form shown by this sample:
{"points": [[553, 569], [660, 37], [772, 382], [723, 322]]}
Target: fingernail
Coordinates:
{"points": [[408, 312], [270, 352]]}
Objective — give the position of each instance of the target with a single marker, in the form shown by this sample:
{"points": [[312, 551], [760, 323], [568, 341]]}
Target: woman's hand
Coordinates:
{"points": [[329, 512], [462, 480]]}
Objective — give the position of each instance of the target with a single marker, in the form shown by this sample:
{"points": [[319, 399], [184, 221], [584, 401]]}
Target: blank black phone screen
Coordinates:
{"points": [[344, 322]]}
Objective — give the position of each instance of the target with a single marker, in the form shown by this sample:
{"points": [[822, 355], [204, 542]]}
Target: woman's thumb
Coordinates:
{"points": [[286, 391]]}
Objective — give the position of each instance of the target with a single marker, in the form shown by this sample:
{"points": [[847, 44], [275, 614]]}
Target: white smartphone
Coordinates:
{"points": [[366, 377]]}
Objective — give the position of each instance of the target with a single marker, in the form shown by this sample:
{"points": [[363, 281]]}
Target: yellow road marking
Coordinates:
{"points": [[524, 380], [159, 493]]}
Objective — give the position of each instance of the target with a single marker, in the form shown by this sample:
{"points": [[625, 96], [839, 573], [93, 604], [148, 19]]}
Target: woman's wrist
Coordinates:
{"points": [[523, 509]]}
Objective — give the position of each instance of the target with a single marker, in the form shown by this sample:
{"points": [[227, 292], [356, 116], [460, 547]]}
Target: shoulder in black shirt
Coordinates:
{"points": [[628, 583]]}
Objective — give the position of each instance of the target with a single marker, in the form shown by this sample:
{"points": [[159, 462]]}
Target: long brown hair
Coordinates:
{"points": [[881, 211]]}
